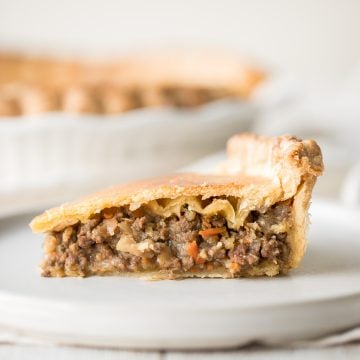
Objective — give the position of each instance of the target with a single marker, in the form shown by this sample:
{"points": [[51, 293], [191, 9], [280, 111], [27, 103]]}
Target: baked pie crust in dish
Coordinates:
{"points": [[30, 85], [248, 220]]}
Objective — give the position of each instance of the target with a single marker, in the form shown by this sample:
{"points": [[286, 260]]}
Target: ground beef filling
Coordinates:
{"points": [[118, 240]]}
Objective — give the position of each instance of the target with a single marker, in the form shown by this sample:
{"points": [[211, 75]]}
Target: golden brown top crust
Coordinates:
{"points": [[198, 69], [260, 170], [250, 150], [37, 85], [284, 158], [191, 68], [140, 192]]}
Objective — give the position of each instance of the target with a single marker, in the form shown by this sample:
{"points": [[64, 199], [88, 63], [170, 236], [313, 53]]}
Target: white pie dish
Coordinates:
{"points": [[65, 155]]}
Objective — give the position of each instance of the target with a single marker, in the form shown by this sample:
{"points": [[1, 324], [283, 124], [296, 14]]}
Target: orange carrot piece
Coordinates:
{"points": [[211, 231], [193, 250]]}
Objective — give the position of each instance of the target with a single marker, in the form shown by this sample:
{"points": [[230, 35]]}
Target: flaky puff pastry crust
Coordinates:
{"points": [[291, 163], [261, 171]]}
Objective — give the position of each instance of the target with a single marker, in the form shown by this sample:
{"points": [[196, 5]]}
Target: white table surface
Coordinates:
{"points": [[14, 352]]}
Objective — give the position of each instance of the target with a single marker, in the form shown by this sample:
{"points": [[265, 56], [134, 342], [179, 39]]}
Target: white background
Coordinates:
{"points": [[316, 40]]}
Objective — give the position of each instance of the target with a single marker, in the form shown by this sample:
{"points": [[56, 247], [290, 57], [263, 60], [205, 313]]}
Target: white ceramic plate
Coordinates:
{"points": [[320, 297]]}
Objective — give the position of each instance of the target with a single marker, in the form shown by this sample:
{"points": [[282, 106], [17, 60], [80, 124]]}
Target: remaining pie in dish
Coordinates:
{"points": [[31, 85], [250, 220]]}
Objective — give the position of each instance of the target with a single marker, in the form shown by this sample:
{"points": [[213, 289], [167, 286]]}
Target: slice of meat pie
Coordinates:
{"points": [[248, 221]]}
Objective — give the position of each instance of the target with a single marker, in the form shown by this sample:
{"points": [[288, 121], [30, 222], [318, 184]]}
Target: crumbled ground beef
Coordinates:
{"points": [[149, 242]]}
